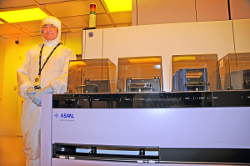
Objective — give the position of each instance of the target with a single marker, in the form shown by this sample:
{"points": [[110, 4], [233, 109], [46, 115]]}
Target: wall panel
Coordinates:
{"points": [[212, 10], [173, 11], [2, 51], [240, 9], [165, 11], [242, 35], [9, 105]]}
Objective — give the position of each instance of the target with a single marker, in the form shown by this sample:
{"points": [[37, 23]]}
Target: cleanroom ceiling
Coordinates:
{"points": [[74, 15]]}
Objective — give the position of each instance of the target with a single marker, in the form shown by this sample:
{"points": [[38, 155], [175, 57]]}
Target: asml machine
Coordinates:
{"points": [[146, 128], [92, 124]]}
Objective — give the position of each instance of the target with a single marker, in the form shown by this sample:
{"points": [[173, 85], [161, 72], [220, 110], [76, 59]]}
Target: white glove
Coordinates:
{"points": [[37, 99], [30, 92]]}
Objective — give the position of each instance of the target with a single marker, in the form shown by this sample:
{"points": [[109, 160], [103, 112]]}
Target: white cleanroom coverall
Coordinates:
{"points": [[54, 74]]}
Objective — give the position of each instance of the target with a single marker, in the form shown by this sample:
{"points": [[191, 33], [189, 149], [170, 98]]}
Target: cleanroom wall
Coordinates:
{"points": [[9, 97], [2, 46], [241, 29], [146, 12], [10, 110]]}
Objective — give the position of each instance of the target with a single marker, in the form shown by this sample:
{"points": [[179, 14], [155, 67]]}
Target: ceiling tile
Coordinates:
{"points": [[65, 30], [8, 29], [20, 3], [8, 36], [124, 25], [76, 30], [49, 1], [31, 26], [63, 27], [86, 19], [102, 19], [122, 17], [36, 34], [77, 8], [22, 35], [3, 5], [21, 28], [74, 22], [105, 26]]}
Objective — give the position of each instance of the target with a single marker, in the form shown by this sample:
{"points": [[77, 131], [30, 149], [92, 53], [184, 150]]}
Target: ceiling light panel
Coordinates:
{"points": [[23, 15], [117, 6]]}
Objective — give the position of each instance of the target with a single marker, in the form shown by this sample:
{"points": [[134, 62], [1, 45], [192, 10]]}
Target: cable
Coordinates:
{"points": [[196, 11], [229, 17], [137, 13], [102, 54], [229, 9], [84, 51], [234, 41]]}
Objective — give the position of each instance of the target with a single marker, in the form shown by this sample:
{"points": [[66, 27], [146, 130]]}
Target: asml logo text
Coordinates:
{"points": [[67, 115]]}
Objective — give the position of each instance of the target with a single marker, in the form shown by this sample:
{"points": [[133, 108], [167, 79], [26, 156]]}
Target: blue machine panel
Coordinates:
{"points": [[191, 79]]}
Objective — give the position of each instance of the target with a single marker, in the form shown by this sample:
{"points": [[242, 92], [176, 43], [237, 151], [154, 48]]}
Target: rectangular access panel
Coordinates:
{"points": [[91, 76], [195, 72], [139, 74], [235, 71]]}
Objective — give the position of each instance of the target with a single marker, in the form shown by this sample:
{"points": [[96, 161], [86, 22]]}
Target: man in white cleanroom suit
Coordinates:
{"points": [[53, 79]]}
